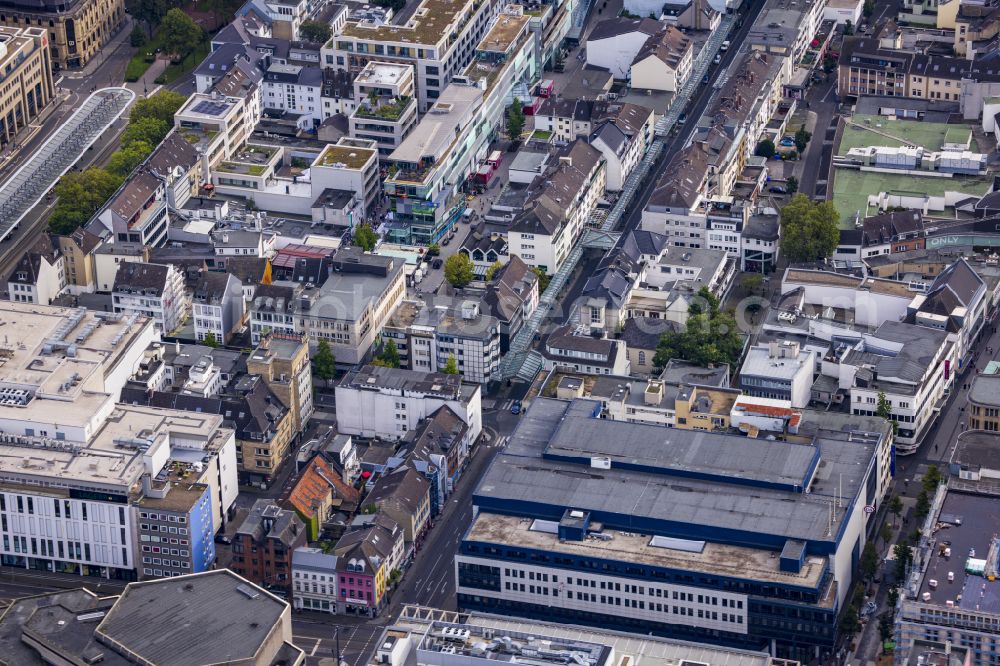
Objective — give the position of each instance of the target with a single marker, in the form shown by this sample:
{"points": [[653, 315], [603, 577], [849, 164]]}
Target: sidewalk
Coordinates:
{"points": [[114, 44]]}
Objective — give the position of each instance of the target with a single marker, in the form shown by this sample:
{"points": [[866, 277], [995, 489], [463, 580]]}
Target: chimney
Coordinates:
{"points": [[567, 160]]}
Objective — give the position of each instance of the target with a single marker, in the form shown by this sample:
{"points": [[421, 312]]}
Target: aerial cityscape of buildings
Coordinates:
{"points": [[428, 332]]}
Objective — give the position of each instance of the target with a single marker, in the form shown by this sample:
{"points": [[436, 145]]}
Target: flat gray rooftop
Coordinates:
{"points": [[684, 452], [197, 619], [521, 480]]}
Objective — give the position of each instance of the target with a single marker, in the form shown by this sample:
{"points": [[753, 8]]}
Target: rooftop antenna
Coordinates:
{"points": [[840, 490]]}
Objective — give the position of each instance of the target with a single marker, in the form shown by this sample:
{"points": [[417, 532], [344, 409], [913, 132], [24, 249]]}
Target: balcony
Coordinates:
{"points": [[384, 108]]}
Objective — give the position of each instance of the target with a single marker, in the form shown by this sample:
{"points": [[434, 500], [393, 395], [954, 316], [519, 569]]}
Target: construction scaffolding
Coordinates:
{"points": [[22, 191]]}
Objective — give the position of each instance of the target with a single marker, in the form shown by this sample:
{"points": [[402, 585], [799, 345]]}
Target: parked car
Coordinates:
{"points": [[778, 189], [445, 240], [223, 539], [437, 263], [515, 408]]}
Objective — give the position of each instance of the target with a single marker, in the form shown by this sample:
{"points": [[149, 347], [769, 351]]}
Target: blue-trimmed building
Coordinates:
{"points": [[714, 538], [175, 532]]}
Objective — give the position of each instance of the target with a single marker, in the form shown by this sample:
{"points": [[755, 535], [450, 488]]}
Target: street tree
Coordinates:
{"points": [[802, 136], [792, 184], [162, 106], [324, 362], [125, 160], [81, 194], [752, 282], [868, 566], [458, 270], [137, 37], [316, 32], [885, 533], [181, 35], [895, 508], [849, 622], [491, 271], [809, 229], [923, 506], [150, 12], [450, 366], [932, 479], [765, 148], [365, 237], [903, 555], [515, 120], [148, 129]]}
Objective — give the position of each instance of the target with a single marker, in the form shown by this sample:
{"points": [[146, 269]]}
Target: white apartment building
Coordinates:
{"points": [[73, 460], [39, 276], [348, 310], [426, 172], [386, 108], [137, 212], [620, 130], [427, 335], [151, 290], [780, 371], [218, 125], [283, 17], [389, 402], [217, 306], [314, 580], [544, 233], [439, 41], [294, 89], [912, 366]]}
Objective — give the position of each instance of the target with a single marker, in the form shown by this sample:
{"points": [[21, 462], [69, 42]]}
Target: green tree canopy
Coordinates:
{"points": [[752, 282], [885, 533], [802, 136], [710, 336], [450, 366], [210, 340], [868, 565], [180, 33], [390, 354], [491, 271], [458, 270], [515, 120], [150, 12], [324, 362], [138, 36], [124, 160], [148, 129], [543, 279], [81, 194], [765, 149], [162, 106], [809, 229], [792, 184], [895, 507], [932, 479], [365, 237], [314, 31], [923, 506]]}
